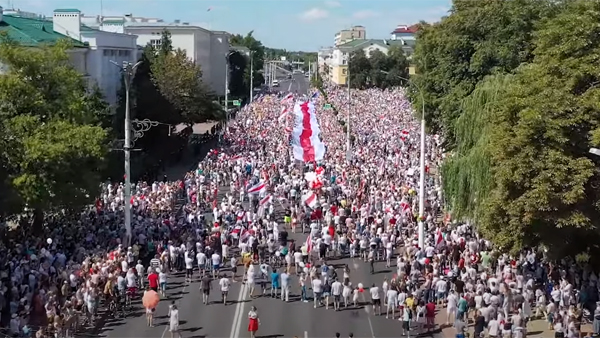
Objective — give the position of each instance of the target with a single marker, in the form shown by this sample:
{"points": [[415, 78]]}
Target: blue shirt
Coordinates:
{"points": [[275, 279]]}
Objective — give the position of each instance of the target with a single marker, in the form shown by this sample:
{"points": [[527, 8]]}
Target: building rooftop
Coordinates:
{"points": [[67, 10], [407, 45], [406, 29], [33, 32]]}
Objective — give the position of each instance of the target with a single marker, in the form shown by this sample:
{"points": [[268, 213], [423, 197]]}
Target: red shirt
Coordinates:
{"points": [[153, 280], [430, 310]]}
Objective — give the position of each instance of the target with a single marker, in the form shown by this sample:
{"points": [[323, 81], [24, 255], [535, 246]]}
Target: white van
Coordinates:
{"points": [[275, 83]]}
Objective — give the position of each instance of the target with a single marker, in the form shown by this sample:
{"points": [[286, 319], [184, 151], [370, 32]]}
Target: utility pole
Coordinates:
{"points": [[251, 75], [128, 71], [348, 152]]}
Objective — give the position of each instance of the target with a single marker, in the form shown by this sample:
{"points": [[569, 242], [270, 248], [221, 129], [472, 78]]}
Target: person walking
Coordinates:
{"points": [[174, 320], [205, 287], [253, 321]]}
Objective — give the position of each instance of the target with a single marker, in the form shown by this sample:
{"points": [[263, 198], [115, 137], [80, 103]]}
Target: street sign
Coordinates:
{"points": [[327, 106], [237, 103]]}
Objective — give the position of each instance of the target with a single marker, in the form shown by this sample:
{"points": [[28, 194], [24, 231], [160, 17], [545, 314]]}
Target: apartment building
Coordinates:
{"points": [[205, 47], [93, 53], [347, 35]]}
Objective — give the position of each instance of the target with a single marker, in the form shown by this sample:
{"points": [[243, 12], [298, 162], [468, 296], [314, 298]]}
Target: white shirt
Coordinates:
{"points": [[317, 285], [392, 297], [374, 291], [201, 258], [224, 283], [216, 259], [189, 263], [336, 288]]}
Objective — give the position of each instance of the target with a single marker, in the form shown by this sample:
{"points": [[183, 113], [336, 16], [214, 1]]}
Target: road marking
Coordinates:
{"points": [[305, 334], [167, 326], [237, 317], [291, 83], [367, 307]]}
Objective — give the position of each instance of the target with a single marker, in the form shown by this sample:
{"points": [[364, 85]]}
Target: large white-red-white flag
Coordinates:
{"points": [[306, 143]]}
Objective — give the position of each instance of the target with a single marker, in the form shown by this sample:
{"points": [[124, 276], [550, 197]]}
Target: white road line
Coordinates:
{"points": [[305, 334], [290, 87], [243, 293], [238, 312], [367, 310]]}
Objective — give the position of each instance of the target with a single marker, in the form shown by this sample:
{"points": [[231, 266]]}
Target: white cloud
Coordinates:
{"points": [[314, 14], [366, 14], [333, 4]]}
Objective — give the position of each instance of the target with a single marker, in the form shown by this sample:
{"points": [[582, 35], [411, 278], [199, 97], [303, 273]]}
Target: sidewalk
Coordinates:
{"points": [[537, 328]]}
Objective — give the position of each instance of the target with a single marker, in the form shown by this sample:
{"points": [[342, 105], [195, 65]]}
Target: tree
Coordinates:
{"points": [[52, 145], [179, 80], [258, 56], [378, 69], [238, 65], [533, 139], [359, 69], [477, 39]]}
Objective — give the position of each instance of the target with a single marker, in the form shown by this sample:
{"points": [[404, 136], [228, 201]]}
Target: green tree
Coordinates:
{"points": [[179, 80], [359, 68], [238, 65], [258, 57], [477, 39], [534, 137], [52, 147]]}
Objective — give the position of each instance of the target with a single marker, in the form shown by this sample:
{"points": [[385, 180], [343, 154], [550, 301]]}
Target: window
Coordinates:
{"points": [[345, 61], [155, 43], [106, 52], [345, 71]]}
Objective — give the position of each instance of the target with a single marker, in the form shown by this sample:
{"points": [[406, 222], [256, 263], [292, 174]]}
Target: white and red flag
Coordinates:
{"points": [[289, 97], [439, 238], [267, 199], [306, 143], [309, 243], [284, 112], [257, 188], [310, 199]]}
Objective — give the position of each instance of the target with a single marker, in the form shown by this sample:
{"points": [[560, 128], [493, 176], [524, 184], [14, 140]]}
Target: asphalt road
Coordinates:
{"points": [[278, 318], [298, 84]]}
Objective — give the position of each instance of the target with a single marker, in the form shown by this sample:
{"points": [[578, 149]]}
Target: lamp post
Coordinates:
{"points": [[227, 84], [250, 52], [128, 71], [421, 229], [348, 151]]}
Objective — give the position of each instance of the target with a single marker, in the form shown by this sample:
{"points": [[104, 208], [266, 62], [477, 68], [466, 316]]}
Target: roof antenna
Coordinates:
{"points": [[101, 11]]}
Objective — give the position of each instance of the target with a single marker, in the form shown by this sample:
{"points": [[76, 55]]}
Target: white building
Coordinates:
{"points": [[206, 48], [324, 58], [93, 49], [105, 49]]}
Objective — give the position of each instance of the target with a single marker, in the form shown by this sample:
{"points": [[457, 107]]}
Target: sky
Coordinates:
{"points": [[295, 25]]}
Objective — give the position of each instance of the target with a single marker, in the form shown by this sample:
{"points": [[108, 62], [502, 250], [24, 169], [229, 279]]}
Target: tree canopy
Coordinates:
{"points": [[520, 166], [378, 69], [477, 38], [167, 88], [52, 143], [257, 53]]}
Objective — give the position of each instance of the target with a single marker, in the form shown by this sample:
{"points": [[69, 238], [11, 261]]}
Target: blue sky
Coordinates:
{"points": [[291, 24]]}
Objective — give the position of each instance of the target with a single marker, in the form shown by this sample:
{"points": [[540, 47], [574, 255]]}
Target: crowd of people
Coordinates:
{"points": [[241, 201]]}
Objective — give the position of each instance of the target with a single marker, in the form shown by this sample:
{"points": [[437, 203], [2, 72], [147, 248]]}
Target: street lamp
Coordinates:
{"points": [[421, 230], [227, 55], [348, 151], [250, 52], [128, 71]]}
